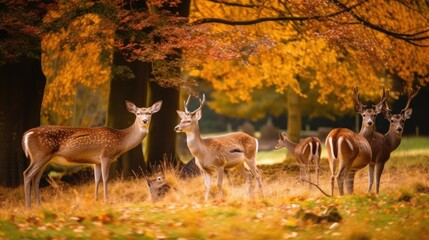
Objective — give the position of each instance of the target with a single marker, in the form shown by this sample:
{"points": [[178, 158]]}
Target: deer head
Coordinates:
{"points": [[369, 114], [189, 120], [397, 121], [143, 114], [158, 186], [281, 142]]}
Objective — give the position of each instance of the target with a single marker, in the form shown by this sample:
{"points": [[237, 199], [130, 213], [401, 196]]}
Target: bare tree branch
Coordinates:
{"points": [[233, 4], [410, 38], [414, 38], [271, 19]]}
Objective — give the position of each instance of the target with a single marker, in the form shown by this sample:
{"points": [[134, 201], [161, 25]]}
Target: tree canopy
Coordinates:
{"points": [[330, 44]]}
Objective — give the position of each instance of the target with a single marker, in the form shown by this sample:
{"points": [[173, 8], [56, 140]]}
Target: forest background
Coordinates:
{"points": [[76, 62]]}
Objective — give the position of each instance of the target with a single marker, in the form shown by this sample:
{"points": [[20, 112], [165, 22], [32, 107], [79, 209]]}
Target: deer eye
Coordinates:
{"points": [[402, 121], [363, 115], [391, 121]]}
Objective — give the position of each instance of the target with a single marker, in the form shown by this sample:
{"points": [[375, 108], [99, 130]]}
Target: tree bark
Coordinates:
{"points": [[294, 122], [162, 137], [132, 162], [161, 140], [21, 92]]}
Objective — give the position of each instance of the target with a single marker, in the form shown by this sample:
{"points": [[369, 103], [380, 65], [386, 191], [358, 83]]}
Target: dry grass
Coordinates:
{"points": [[280, 181], [183, 213]]}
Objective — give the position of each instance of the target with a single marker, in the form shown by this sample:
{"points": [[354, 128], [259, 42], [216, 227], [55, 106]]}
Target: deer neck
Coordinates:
{"points": [[289, 145], [194, 141], [133, 135], [367, 132], [393, 138]]}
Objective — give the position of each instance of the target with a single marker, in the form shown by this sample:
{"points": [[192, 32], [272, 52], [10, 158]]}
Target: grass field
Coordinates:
{"points": [[289, 210]]}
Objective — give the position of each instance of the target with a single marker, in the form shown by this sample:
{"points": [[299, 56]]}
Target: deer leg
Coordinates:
{"points": [[30, 175], [342, 174], [332, 168], [219, 181], [36, 184], [350, 181], [308, 175], [301, 173], [378, 171], [105, 165], [246, 175], [370, 177], [254, 170], [317, 170], [207, 184], [97, 177], [28, 179]]}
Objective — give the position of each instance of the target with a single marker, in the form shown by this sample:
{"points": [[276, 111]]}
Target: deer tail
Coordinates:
{"points": [[25, 140]]}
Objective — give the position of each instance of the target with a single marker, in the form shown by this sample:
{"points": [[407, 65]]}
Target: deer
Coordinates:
{"points": [[307, 153], [219, 153], [349, 150], [384, 144], [158, 186], [99, 146]]}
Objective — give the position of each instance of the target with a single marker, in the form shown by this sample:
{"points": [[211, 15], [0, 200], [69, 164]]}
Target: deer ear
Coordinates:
{"points": [[386, 114], [181, 114], [407, 113], [283, 135], [156, 106], [378, 108], [130, 106], [359, 107], [197, 115]]}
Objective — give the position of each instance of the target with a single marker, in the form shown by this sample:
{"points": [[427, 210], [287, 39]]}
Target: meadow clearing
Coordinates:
{"points": [[290, 209]]}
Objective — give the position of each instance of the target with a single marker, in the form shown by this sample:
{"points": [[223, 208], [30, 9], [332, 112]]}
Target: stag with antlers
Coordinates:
{"points": [[383, 145], [350, 150], [219, 153]]}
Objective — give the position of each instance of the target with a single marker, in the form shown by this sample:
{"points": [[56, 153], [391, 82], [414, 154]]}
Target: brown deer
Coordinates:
{"points": [[218, 153], [350, 150], [369, 115], [69, 145], [307, 153], [383, 144], [158, 186]]}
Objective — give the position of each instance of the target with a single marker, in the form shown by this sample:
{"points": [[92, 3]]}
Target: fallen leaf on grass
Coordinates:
{"points": [[290, 235], [77, 218], [290, 222], [105, 218]]}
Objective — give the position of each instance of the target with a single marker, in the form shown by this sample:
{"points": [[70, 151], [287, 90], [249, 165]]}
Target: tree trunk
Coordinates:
{"points": [[294, 116], [21, 91], [135, 90], [162, 137]]}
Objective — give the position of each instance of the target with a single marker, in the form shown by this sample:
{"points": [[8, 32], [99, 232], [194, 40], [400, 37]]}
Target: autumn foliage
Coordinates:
{"points": [[322, 46], [328, 45]]}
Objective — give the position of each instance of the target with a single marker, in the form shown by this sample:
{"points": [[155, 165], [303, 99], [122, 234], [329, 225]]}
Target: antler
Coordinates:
{"points": [[384, 98], [201, 104], [186, 105], [358, 105], [411, 95]]}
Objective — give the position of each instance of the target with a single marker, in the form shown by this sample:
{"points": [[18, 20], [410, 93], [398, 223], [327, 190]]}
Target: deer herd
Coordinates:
{"points": [[347, 151]]}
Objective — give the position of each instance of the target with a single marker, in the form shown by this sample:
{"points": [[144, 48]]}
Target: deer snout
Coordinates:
{"points": [[145, 121], [177, 129], [399, 129], [369, 123]]}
